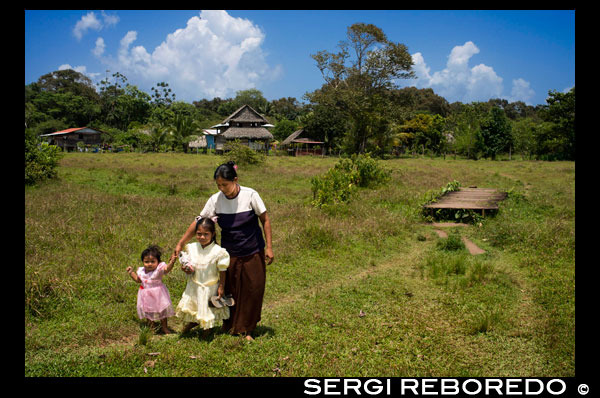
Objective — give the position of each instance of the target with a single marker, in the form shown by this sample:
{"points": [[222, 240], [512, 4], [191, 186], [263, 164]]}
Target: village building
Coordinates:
{"points": [[205, 141], [297, 145], [247, 126], [69, 138]]}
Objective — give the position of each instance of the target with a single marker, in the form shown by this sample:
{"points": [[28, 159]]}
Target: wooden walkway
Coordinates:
{"points": [[469, 198]]}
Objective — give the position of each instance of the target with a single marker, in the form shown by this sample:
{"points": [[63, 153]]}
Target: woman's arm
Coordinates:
{"points": [[189, 234], [266, 223]]}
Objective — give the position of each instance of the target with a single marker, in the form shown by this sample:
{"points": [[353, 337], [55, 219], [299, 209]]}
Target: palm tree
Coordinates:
{"points": [[158, 135], [182, 128]]}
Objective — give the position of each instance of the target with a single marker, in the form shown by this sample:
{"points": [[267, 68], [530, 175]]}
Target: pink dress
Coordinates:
{"points": [[153, 300]]}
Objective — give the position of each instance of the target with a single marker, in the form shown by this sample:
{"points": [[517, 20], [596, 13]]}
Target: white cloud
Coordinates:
{"points": [[484, 83], [214, 55], [566, 90], [460, 82], [100, 47], [87, 22], [110, 20], [81, 69], [90, 21], [521, 91], [420, 68]]}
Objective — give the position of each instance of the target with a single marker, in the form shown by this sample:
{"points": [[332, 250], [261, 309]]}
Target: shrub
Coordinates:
{"points": [[333, 187], [340, 182], [242, 154], [41, 160]]}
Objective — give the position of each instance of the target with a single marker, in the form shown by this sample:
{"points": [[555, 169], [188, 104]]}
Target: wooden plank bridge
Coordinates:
{"points": [[469, 198]]}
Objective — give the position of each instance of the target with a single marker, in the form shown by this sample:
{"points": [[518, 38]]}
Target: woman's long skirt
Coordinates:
{"points": [[246, 278]]}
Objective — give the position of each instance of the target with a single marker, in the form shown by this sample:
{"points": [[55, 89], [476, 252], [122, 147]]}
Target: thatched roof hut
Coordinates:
{"points": [[297, 145], [245, 125]]}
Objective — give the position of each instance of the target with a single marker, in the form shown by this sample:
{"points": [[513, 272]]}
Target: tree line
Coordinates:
{"points": [[359, 109]]}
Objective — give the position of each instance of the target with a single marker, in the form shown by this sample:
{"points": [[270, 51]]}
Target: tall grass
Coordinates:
{"points": [[360, 289]]}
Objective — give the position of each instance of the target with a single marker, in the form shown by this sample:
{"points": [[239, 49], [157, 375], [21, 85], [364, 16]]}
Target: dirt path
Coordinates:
{"points": [[471, 247]]}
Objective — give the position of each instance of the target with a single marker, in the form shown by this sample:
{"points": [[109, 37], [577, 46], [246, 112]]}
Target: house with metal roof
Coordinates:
{"points": [[69, 138], [246, 125]]}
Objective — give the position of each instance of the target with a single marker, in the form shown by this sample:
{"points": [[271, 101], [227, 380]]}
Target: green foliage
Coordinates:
{"points": [[359, 109], [339, 183], [557, 140], [452, 243], [243, 155], [333, 187], [182, 129], [426, 132], [283, 129], [494, 136], [41, 160], [359, 87]]}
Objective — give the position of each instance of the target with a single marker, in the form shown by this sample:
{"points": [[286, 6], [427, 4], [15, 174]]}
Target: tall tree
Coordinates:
{"points": [[252, 97], [358, 84], [495, 133], [559, 140], [464, 123]]}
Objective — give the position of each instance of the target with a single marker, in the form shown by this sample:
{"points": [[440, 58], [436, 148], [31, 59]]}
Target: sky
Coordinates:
{"points": [[463, 55]]}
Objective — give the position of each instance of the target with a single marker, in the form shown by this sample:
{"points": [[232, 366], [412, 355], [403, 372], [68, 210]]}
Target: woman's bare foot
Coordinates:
{"points": [[248, 338]]}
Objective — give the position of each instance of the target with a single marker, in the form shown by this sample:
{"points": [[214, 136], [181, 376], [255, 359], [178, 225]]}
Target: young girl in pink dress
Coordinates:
{"points": [[153, 299]]}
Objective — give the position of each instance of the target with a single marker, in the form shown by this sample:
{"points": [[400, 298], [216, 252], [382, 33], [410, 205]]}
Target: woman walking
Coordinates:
{"points": [[238, 210]]}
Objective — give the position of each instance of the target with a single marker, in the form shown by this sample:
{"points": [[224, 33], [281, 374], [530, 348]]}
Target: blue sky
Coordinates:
{"points": [[462, 55]]}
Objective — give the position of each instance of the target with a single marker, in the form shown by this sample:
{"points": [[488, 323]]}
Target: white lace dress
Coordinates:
{"points": [[202, 285]]}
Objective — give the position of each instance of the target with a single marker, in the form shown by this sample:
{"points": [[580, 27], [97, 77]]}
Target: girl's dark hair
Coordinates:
{"points": [[152, 250], [208, 224], [226, 171]]}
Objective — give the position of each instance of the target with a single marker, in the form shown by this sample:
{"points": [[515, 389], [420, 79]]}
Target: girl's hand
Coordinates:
{"points": [[220, 291], [129, 269]]}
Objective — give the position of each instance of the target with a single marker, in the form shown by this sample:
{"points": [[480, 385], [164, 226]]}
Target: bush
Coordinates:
{"points": [[334, 187], [339, 183], [242, 154], [452, 243], [41, 160]]}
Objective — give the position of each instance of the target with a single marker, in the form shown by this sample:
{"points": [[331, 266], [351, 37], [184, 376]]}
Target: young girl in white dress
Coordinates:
{"points": [[205, 264]]}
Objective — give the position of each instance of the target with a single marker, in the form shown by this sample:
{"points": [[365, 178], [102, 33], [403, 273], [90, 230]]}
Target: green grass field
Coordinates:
{"points": [[359, 290]]}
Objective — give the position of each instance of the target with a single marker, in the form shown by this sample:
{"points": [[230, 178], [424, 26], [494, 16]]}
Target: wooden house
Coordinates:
{"points": [[297, 145], [69, 138], [247, 126]]}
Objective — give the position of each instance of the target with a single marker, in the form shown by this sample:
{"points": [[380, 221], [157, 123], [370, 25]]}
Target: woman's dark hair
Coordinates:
{"points": [[152, 250], [226, 171], [208, 224]]}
